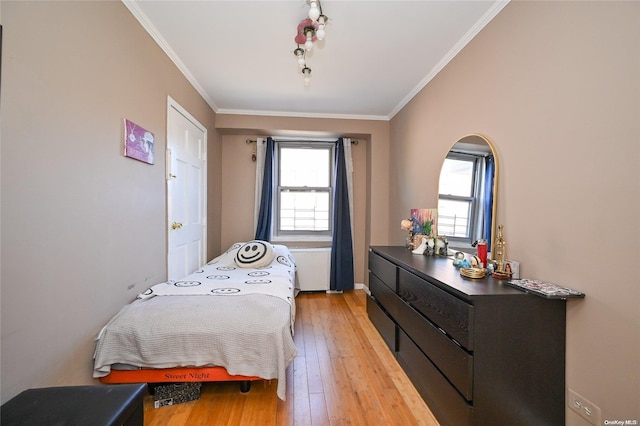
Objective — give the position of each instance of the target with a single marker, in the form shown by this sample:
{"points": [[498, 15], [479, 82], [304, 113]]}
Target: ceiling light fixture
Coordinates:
{"points": [[310, 30]]}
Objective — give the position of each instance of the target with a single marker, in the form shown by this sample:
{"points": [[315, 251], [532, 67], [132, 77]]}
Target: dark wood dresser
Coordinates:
{"points": [[478, 351]]}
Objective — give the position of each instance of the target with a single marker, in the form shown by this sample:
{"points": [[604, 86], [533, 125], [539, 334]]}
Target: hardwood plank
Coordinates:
{"points": [[263, 402], [284, 412], [228, 402], [301, 403], [314, 375], [344, 374], [205, 409], [319, 415]]}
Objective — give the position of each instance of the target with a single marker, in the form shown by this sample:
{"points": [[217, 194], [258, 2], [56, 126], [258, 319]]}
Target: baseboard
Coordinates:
{"points": [[361, 286], [356, 286]]}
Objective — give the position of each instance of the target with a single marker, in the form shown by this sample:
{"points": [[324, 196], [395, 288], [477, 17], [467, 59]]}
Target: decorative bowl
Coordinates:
{"points": [[473, 272]]}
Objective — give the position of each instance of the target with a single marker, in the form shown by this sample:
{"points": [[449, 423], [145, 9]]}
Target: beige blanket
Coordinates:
{"points": [[248, 335]]}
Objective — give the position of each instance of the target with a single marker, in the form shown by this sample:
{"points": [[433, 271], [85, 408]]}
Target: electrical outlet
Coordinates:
{"points": [[585, 408]]}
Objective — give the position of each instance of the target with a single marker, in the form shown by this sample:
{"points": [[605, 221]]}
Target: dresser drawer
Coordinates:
{"points": [[453, 361], [448, 312], [385, 325], [445, 402], [384, 270], [386, 298]]}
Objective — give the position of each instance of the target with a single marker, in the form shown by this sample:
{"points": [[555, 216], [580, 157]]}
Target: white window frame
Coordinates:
{"points": [[472, 199], [279, 235]]}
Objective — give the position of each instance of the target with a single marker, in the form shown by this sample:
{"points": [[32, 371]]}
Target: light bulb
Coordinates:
{"points": [[310, 33], [314, 12], [306, 72], [320, 33], [300, 56]]}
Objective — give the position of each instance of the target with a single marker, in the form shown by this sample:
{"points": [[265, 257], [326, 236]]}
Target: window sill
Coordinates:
{"points": [[301, 238]]}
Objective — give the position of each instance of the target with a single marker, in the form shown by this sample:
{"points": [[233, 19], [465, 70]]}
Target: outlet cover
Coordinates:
{"points": [[585, 408]]}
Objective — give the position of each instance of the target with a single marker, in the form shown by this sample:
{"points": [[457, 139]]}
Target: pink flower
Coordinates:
{"points": [[406, 224]]}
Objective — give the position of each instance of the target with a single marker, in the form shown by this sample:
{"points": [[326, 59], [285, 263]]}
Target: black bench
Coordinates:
{"points": [[77, 406]]}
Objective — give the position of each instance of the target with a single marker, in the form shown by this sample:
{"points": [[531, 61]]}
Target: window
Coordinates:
{"points": [[458, 194], [304, 195]]}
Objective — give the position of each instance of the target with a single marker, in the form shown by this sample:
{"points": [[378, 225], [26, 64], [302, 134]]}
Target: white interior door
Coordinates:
{"points": [[186, 192]]}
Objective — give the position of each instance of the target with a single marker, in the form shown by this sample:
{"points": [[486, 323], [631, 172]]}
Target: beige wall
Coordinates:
{"points": [[83, 227], [556, 87], [370, 177]]}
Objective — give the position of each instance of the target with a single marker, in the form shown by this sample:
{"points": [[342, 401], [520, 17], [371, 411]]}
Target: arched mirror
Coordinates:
{"points": [[467, 196]]}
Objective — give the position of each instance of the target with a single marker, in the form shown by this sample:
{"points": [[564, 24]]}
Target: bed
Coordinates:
{"points": [[232, 319]]}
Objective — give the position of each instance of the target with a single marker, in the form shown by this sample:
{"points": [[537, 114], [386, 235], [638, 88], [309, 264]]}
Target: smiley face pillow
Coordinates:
{"points": [[255, 254]]}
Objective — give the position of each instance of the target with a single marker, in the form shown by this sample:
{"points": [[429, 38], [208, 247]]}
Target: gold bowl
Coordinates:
{"points": [[473, 272]]}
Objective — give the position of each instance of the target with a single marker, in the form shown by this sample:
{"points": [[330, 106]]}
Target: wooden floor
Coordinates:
{"points": [[344, 374]]}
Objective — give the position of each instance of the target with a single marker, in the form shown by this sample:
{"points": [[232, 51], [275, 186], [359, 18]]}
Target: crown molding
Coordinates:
{"points": [[303, 115], [155, 34]]}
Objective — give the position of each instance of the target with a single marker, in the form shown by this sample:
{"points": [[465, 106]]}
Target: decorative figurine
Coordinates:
{"points": [[458, 258], [441, 246], [422, 247], [430, 247], [465, 264], [500, 250]]}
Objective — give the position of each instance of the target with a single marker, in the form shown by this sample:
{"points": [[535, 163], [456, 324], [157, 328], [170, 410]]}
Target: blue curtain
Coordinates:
{"points": [[263, 228], [488, 199], [341, 275]]}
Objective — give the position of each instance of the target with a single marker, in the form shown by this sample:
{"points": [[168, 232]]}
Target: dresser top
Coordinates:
{"points": [[441, 272]]}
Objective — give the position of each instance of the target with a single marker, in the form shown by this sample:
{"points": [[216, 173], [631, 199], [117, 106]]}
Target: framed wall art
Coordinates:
{"points": [[138, 142], [425, 221]]}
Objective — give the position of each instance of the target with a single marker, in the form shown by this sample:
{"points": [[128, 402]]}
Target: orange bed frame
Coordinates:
{"points": [[178, 374]]}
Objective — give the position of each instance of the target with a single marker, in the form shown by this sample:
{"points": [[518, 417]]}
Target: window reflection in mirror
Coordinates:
{"points": [[466, 193]]}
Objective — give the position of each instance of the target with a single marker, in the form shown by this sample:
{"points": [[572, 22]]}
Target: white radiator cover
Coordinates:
{"points": [[313, 265]]}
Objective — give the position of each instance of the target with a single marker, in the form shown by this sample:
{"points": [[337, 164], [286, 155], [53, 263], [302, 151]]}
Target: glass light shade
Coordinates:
{"points": [[300, 55], [314, 12], [306, 72]]}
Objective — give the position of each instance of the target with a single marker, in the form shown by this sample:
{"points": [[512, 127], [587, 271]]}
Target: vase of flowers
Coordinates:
{"points": [[407, 225]]}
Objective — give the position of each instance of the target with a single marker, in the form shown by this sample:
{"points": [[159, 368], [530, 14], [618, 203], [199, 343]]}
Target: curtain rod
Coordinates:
{"points": [[353, 141], [471, 152]]}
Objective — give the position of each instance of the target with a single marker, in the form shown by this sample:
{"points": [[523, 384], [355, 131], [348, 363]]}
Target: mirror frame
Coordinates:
{"points": [[494, 207]]}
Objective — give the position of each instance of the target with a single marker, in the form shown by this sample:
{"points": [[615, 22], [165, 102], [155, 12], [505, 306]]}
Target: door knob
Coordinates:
{"points": [[176, 225]]}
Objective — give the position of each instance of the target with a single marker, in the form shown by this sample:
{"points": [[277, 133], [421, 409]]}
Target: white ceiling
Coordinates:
{"points": [[375, 57]]}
